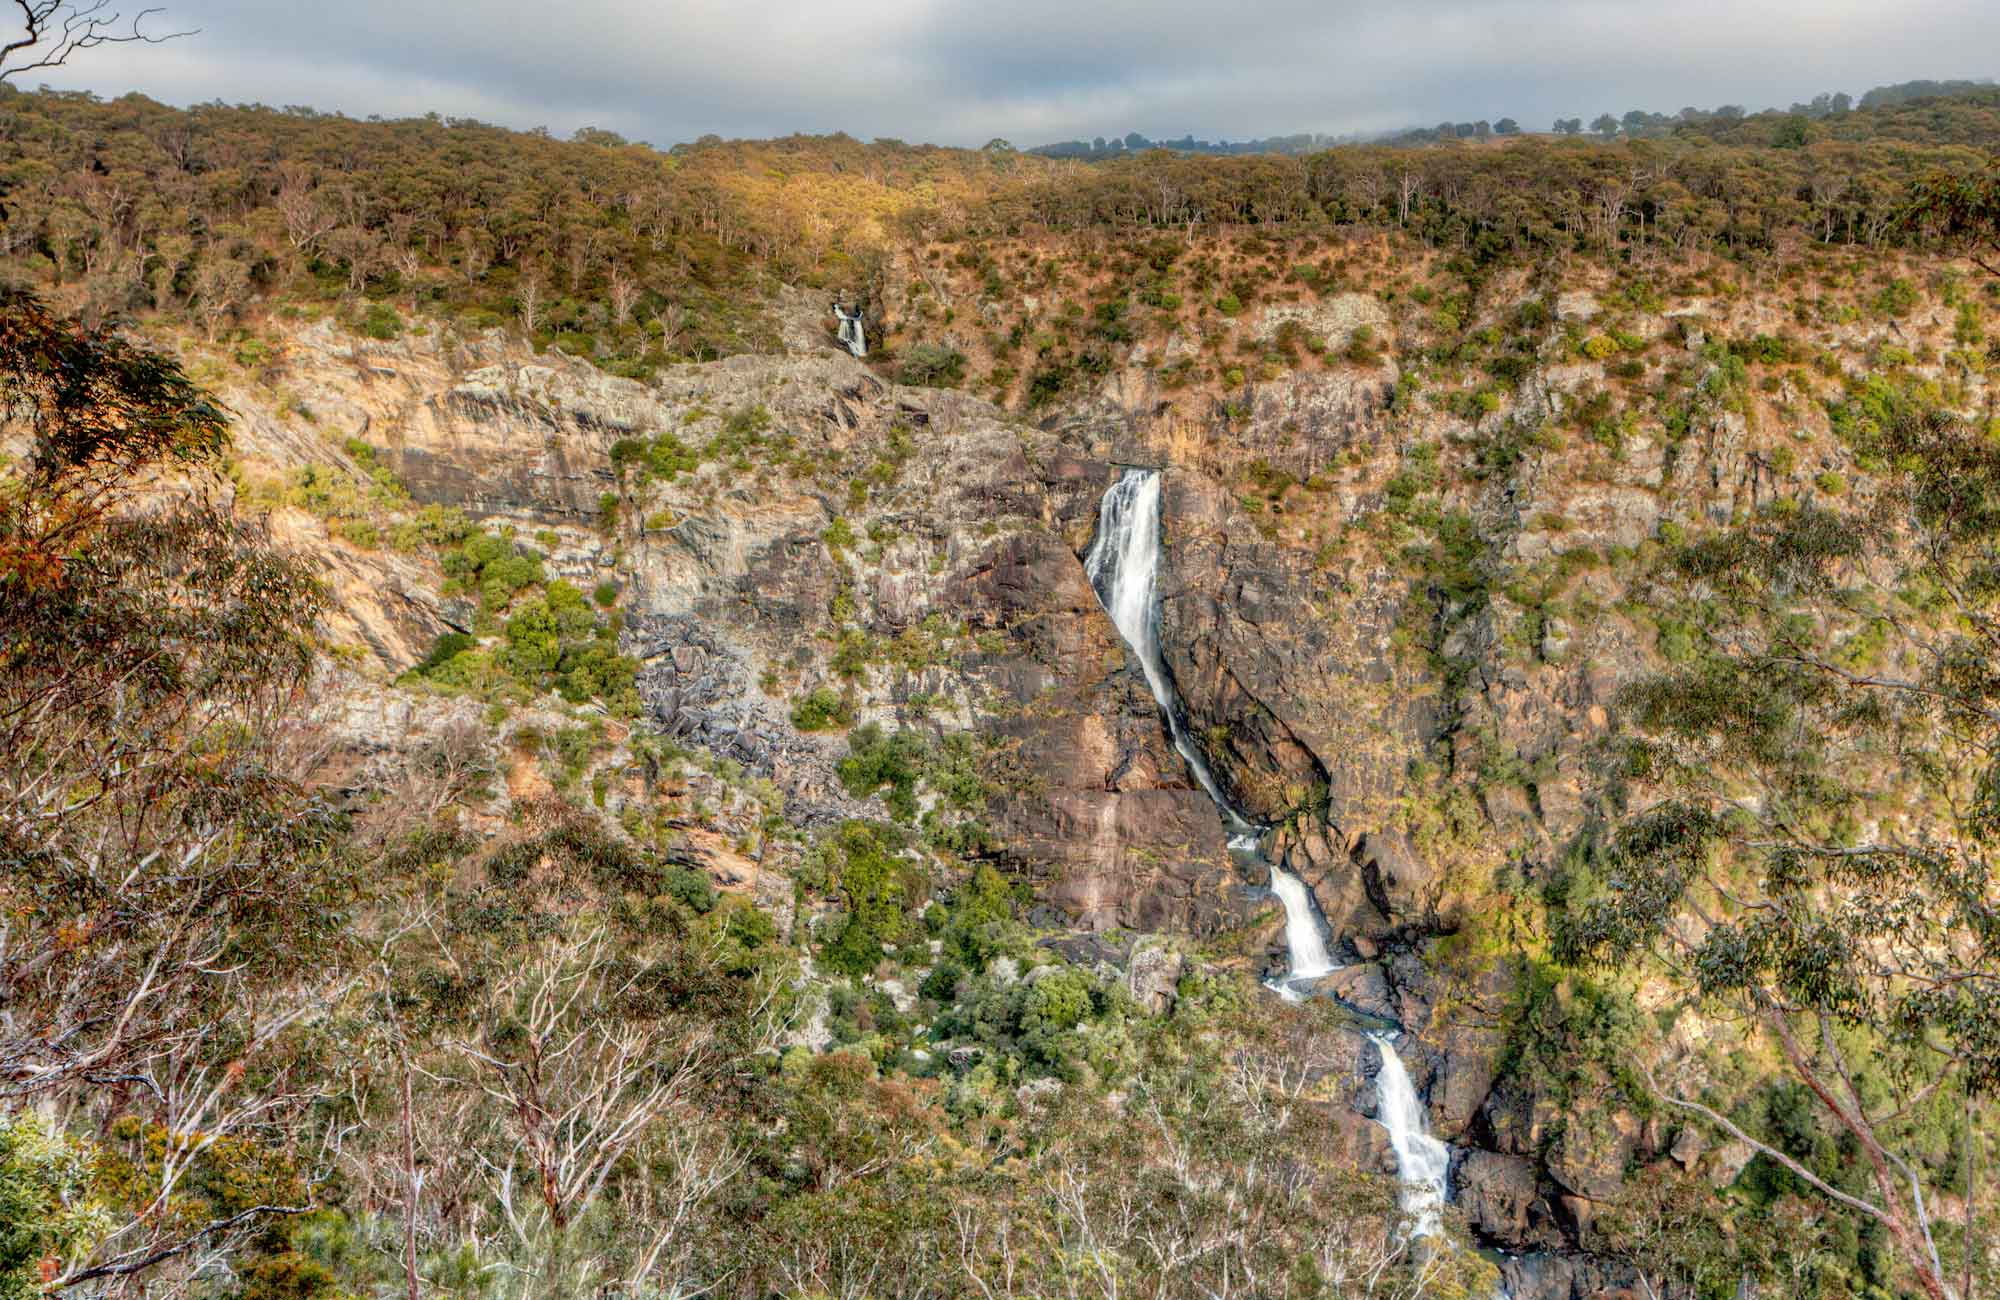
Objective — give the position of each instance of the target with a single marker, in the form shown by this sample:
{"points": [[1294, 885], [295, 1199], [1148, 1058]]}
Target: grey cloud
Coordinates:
{"points": [[961, 71]]}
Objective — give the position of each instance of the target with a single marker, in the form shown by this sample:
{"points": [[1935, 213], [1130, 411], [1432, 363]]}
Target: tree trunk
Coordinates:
{"points": [[411, 1186]]}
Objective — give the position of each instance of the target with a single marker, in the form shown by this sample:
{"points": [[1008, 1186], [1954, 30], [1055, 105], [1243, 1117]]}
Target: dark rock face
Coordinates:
{"points": [[1550, 1276], [980, 532], [1397, 881], [1498, 1194], [1596, 1145], [1363, 987]]}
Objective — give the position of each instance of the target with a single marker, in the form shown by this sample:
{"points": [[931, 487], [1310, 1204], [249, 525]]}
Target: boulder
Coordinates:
{"points": [[1467, 1061], [1398, 881], [1538, 1277], [1726, 1162], [1155, 976], [1363, 987], [1497, 1193], [1590, 1158], [899, 995], [1689, 1144]]}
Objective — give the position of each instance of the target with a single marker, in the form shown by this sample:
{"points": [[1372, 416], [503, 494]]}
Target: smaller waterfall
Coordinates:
{"points": [[1302, 934], [850, 331], [1422, 1162], [1123, 566]]}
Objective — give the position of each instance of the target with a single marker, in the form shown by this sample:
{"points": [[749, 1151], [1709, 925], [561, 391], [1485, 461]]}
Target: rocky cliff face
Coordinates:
{"points": [[1397, 644], [732, 588]]}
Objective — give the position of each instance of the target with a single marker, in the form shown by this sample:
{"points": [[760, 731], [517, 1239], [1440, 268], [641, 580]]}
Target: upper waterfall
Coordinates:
{"points": [[850, 331], [1123, 565]]}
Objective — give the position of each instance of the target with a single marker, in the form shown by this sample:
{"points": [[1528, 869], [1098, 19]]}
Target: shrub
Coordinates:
{"points": [[823, 710], [358, 532], [381, 322], [45, 1203], [873, 887], [1897, 298], [494, 567], [448, 647], [877, 760], [932, 366]]}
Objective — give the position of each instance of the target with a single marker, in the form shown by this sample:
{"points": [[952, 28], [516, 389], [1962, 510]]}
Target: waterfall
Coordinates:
{"points": [[1124, 565], [1302, 933], [1422, 1162], [850, 331]]}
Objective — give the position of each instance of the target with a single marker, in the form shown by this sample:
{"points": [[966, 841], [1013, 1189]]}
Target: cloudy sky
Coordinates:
{"points": [[964, 71]]}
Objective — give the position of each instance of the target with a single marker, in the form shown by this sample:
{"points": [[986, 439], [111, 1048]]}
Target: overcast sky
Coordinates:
{"points": [[1033, 71]]}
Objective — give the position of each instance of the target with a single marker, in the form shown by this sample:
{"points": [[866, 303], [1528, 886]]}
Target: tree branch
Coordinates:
{"points": [[62, 28], [126, 1265]]}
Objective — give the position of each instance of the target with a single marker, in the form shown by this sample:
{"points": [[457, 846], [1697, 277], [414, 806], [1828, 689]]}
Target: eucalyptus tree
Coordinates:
{"points": [[1804, 817], [168, 879]]}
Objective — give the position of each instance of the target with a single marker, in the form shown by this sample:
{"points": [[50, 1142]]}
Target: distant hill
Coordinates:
{"points": [[1905, 91], [1102, 149], [1718, 122]]}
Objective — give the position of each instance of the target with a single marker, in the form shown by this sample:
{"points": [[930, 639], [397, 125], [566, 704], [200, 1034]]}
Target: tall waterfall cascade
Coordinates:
{"points": [[1423, 1164], [1124, 565]]}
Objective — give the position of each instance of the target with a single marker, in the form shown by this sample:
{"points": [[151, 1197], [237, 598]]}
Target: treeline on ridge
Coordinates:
{"points": [[636, 258]]}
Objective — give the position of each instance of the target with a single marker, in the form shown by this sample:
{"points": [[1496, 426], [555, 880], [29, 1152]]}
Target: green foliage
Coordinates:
{"points": [[1815, 920], [822, 710], [380, 321], [492, 566], [46, 1202], [541, 626], [1897, 299], [932, 365], [897, 762], [1964, 208], [434, 526], [664, 457], [874, 885], [558, 640], [1058, 1022], [884, 761], [555, 640], [448, 647], [839, 534]]}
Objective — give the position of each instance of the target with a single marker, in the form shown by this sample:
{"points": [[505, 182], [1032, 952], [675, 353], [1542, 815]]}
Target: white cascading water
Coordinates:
{"points": [[1422, 1162], [1124, 565], [850, 331]]}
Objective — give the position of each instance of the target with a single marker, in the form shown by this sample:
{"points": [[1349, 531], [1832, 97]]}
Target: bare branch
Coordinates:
{"points": [[54, 30]]}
